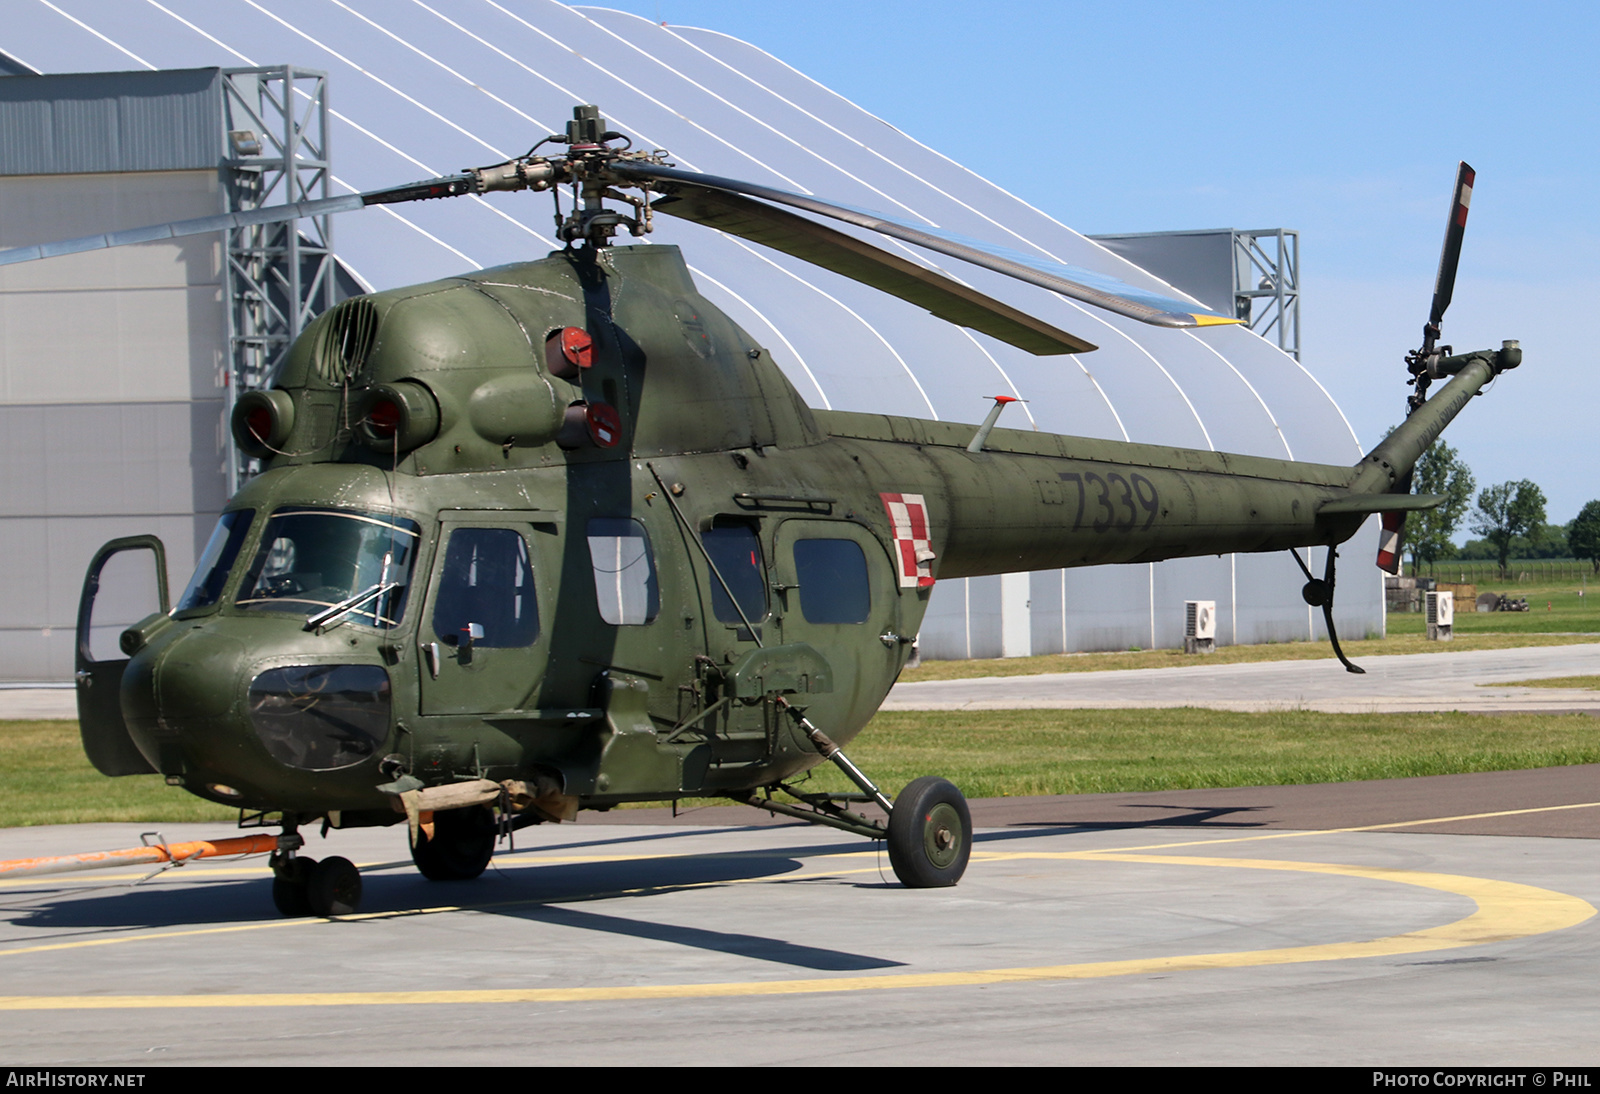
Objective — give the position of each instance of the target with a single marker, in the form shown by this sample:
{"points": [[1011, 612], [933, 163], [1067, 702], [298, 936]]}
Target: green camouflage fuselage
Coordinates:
{"points": [[625, 546]]}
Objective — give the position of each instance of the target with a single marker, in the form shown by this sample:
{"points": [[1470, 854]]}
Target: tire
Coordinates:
{"points": [[930, 834], [461, 847], [289, 887], [334, 887]]}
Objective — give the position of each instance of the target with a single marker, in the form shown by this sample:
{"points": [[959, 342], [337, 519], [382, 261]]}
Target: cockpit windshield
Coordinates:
{"points": [[313, 560], [216, 561]]}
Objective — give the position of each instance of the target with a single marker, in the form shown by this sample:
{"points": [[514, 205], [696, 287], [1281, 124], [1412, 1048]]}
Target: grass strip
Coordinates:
{"points": [[1592, 683], [1023, 752], [47, 780], [986, 753]]}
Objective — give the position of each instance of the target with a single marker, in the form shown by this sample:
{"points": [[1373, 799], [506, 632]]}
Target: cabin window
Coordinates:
{"points": [[310, 560], [216, 561], [832, 574], [486, 580], [624, 571], [736, 551]]}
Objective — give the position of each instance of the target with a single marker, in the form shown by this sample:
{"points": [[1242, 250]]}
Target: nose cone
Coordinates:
{"points": [[200, 676], [183, 697], [302, 736]]}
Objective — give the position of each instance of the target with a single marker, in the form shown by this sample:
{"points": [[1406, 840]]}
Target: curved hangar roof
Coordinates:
{"points": [[421, 89]]}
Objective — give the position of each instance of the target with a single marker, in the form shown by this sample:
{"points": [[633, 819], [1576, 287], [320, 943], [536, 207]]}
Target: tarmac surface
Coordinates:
{"points": [[1192, 927], [1446, 921], [1478, 680]]}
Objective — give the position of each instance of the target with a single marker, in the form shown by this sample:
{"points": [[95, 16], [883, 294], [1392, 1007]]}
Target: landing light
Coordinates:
{"points": [[398, 417], [262, 422], [384, 417]]}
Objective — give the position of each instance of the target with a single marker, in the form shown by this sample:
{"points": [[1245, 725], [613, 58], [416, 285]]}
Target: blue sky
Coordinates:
{"points": [[1344, 121]]}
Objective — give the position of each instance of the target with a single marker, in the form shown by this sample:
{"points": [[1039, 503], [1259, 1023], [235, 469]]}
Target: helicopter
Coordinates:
{"points": [[560, 535]]}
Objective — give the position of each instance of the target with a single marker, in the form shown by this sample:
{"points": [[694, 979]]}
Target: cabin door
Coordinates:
{"points": [[481, 642], [835, 589], [124, 584]]}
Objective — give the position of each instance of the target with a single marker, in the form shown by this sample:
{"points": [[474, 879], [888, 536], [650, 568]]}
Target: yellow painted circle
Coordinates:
{"points": [[1505, 911]]}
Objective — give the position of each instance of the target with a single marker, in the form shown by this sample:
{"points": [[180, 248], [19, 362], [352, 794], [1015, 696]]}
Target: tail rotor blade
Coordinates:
{"points": [[1450, 257], [1420, 360], [1391, 542]]}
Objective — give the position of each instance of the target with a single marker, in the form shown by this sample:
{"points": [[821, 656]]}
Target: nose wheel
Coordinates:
{"points": [[304, 886], [307, 886]]}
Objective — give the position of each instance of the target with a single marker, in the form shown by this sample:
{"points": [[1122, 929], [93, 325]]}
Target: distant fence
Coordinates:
{"points": [[1533, 571]]}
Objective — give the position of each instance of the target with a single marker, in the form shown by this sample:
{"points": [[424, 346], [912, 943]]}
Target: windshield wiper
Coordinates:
{"points": [[345, 606]]}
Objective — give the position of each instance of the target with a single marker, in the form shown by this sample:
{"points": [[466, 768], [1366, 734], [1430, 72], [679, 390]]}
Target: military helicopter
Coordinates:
{"points": [[560, 535]]}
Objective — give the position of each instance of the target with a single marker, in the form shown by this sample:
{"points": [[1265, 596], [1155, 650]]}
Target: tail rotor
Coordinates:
{"points": [[1422, 362]]}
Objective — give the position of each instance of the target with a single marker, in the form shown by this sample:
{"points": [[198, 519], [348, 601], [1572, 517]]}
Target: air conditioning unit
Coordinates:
{"points": [[1441, 616], [1200, 626]]}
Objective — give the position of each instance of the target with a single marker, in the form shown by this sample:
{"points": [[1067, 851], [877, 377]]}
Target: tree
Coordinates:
{"points": [[1583, 534], [1551, 543], [1507, 511], [1439, 471]]}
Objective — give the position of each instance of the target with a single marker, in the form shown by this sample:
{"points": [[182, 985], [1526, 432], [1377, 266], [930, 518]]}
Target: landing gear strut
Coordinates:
{"points": [[929, 831]]}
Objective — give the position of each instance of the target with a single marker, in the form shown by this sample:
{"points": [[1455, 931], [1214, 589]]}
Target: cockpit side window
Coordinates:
{"points": [[832, 575], [486, 581]]}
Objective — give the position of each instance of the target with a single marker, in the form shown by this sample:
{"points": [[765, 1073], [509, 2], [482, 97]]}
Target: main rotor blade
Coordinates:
{"points": [[200, 225], [860, 261], [449, 186], [1444, 287], [1071, 281]]}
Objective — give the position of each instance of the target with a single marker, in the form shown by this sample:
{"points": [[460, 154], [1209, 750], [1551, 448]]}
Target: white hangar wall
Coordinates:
{"points": [[110, 361], [419, 92]]}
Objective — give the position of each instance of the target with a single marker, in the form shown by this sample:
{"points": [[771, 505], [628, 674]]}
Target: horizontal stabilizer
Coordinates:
{"points": [[1380, 503]]}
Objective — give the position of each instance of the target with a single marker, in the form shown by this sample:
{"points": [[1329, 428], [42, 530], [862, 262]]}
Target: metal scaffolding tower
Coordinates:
{"points": [[280, 276], [1266, 264], [1253, 274]]}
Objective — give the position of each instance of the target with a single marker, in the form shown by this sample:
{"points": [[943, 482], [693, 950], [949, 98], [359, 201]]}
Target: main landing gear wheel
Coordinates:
{"points": [[462, 844], [334, 887], [289, 886], [930, 834]]}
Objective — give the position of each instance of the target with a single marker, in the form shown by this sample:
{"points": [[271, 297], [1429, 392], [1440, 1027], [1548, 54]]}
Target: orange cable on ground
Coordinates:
{"points": [[159, 853]]}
